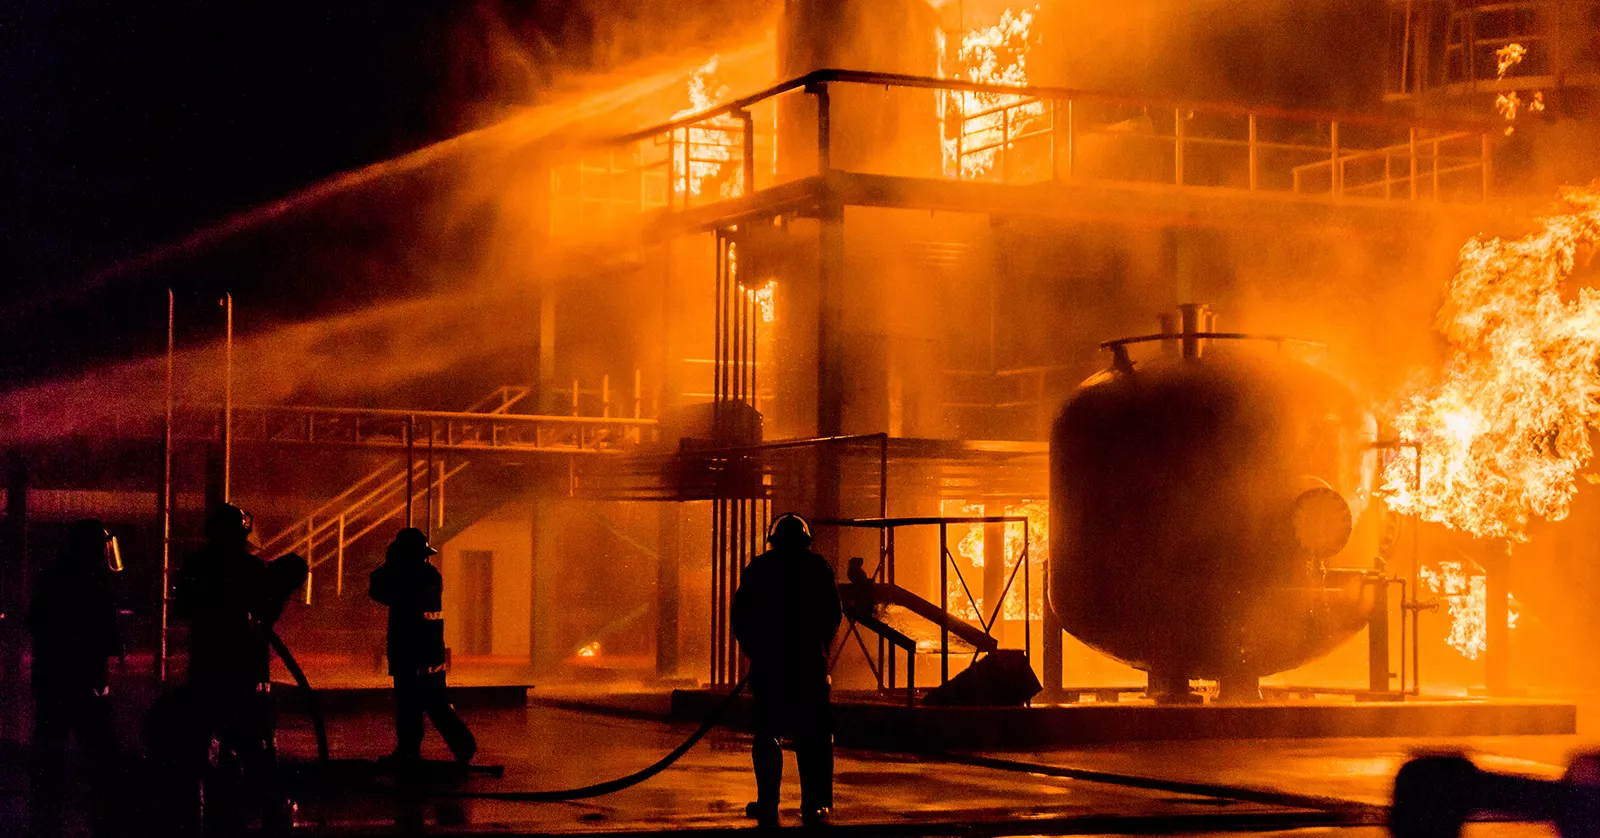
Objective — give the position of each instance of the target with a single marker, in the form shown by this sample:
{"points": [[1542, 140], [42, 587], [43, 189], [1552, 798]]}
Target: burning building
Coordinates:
{"points": [[855, 269]]}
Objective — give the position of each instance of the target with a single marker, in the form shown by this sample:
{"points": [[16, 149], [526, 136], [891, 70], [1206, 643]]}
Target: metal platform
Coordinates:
{"points": [[886, 726]]}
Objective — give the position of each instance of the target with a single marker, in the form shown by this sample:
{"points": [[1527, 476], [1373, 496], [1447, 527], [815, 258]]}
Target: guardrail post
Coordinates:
{"points": [[672, 181], [1436, 167], [1335, 188], [1250, 145], [1484, 164], [944, 604], [1177, 149], [1055, 105], [1072, 141], [1412, 146], [1005, 139], [824, 128], [748, 172], [411, 463], [338, 565]]}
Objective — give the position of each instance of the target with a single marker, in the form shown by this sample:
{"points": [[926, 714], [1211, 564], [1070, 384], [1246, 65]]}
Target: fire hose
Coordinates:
{"points": [[319, 726]]}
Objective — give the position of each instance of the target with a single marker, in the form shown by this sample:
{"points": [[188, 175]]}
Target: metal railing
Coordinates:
{"points": [[1021, 135]]}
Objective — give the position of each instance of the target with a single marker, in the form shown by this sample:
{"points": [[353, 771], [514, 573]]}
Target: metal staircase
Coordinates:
{"points": [[381, 495]]}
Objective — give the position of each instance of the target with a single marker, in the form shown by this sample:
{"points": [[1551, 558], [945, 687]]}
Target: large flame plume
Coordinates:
{"points": [[995, 54], [1504, 429]]}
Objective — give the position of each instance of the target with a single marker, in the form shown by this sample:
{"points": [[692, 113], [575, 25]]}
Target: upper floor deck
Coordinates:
{"points": [[895, 140]]}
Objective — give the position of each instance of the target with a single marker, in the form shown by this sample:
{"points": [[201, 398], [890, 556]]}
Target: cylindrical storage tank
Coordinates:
{"points": [[879, 130], [1196, 501]]}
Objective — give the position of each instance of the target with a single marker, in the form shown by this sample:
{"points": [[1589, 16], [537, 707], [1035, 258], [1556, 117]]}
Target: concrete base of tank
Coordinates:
{"points": [[869, 722]]}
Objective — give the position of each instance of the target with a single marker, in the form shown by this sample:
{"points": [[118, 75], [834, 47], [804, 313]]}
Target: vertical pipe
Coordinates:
{"points": [[1336, 187], [1072, 142], [430, 480], [1436, 167], [749, 163], [1027, 594], [1251, 143], [227, 400], [1055, 105], [944, 604], [605, 395], [442, 472], [716, 590], [166, 501], [1005, 139], [1412, 148], [825, 132], [338, 565], [411, 463], [1177, 148], [1484, 164]]}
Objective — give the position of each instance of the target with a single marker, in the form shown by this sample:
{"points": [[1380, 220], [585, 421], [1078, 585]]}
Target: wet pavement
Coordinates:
{"points": [[1288, 787]]}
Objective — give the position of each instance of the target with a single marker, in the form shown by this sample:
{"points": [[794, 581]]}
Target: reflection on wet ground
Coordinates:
{"points": [[1296, 787]]}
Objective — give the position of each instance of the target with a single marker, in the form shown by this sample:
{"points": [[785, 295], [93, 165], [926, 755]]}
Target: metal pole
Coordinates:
{"points": [[338, 566], [1336, 187], [411, 462], [1055, 105], [1483, 164], [430, 479], [1254, 170], [944, 604], [227, 401], [166, 501], [825, 133], [1177, 150], [1072, 142], [1412, 143], [1436, 168], [749, 163]]}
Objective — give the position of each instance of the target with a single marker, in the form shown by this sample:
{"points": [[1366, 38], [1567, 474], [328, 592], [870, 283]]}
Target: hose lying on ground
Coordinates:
{"points": [[617, 784], [319, 725]]}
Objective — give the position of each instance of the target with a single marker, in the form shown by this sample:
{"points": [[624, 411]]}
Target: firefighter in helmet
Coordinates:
{"points": [[785, 614], [73, 624], [231, 598], [413, 590]]}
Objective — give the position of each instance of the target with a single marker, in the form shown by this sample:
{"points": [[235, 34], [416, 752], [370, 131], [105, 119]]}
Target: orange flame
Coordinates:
{"points": [[971, 548], [701, 152], [995, 54], [1504, 429], [1466, 598]]}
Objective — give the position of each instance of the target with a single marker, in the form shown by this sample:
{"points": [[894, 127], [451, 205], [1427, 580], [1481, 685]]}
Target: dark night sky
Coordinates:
{"points": [[129, 124]]}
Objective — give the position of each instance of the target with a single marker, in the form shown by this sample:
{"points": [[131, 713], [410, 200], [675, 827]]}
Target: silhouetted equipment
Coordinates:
{"points": [[1195, 498], [1001, 678], [1434, 796]]}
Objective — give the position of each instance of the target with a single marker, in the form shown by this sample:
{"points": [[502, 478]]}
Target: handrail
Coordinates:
{"points": [[825, 76], [446, 415]]}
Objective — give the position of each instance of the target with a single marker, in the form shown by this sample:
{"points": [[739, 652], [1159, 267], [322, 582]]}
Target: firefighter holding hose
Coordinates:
{"points": [[785, 615], [231, 598]]}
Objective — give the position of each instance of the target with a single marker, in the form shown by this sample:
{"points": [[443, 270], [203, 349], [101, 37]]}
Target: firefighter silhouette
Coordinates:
{"points": [[785, 614], [413, 590], [231, 598], [73, 624]]}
